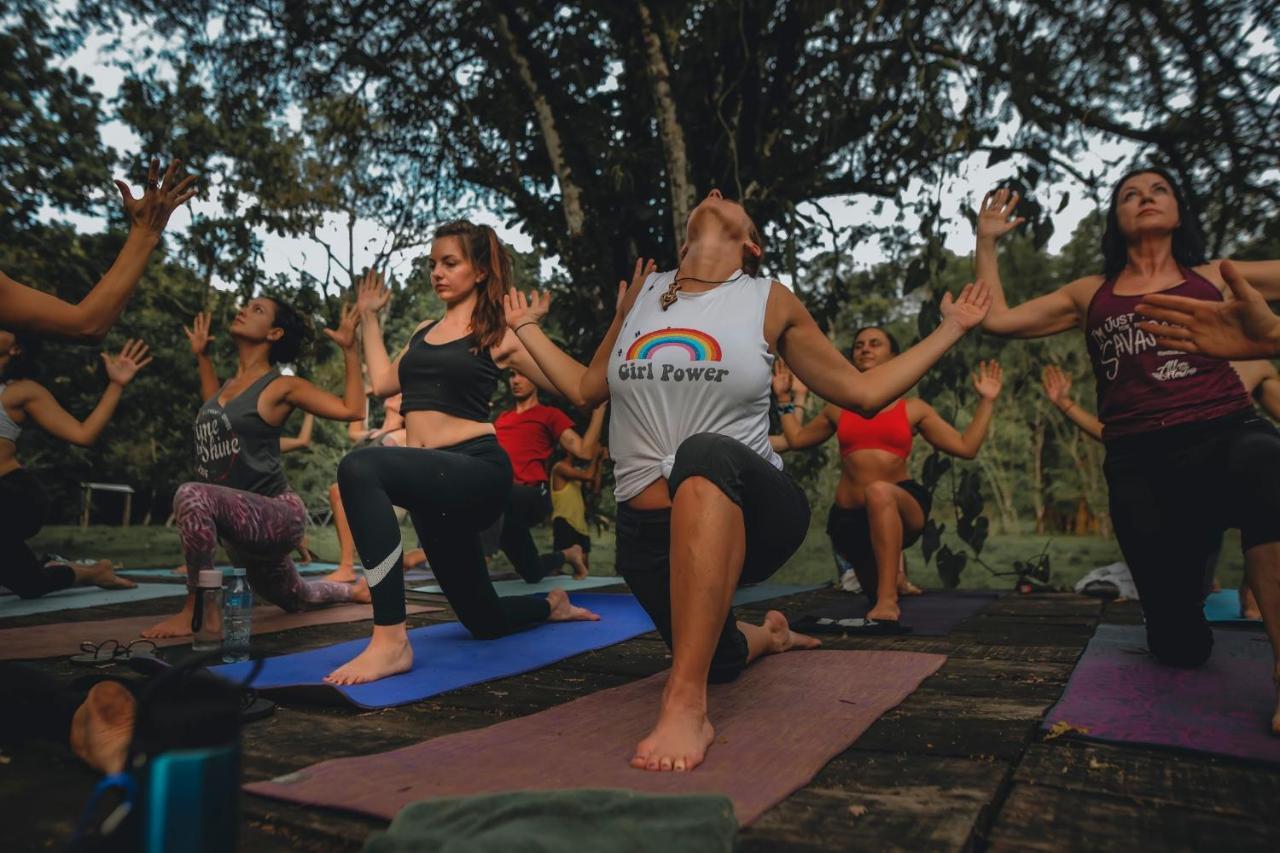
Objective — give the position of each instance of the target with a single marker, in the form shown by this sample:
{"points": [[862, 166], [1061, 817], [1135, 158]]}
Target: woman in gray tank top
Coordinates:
{"points": [[23, 504], [703, 504], [242, 497]]}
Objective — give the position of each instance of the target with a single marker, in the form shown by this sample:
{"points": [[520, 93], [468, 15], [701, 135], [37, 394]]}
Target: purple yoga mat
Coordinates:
{"points": [[1118, 692], [933, 614], [776, 726]]}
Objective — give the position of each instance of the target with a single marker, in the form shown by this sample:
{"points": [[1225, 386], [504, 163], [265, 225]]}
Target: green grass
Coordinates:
{"points": [[1070, 557]]}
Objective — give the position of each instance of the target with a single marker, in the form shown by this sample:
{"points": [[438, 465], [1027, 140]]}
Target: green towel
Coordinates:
{"points": [[550, 821]]}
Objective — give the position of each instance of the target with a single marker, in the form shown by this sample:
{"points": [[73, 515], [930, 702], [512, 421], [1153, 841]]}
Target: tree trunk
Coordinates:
{"points": [[669, 129], [1037, 469], [570, 192], [996, 478]]}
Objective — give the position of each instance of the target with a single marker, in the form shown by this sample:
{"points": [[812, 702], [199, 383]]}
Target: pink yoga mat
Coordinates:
{"points": [[64, 638], [776, 726]]}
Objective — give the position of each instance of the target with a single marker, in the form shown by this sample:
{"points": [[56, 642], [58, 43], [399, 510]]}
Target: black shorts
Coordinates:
{"points": [[774, 508], [565, 535], [850, 529]]}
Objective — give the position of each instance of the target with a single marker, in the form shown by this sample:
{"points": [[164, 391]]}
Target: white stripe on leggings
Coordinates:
{"points": [[375, 575]]}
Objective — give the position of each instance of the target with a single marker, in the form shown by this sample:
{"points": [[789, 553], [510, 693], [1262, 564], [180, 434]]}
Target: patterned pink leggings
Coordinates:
{"points": [[259, 533]]}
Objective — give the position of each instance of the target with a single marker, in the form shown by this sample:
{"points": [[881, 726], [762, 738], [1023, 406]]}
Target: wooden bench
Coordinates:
{"points": [[87, 489]]}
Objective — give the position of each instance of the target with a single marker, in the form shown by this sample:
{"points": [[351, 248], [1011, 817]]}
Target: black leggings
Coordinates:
{"points": [[528, 505], [1173, 492], [451, 493], [850, 532], [23, 508], [775, 511]]}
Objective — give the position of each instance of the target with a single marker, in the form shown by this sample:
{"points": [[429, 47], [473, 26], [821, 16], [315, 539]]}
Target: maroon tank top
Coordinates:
{"points": [[1141, 387]]}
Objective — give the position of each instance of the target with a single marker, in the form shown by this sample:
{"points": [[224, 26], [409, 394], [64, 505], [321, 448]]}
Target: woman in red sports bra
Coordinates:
{"points": [[1187, 455], [879, 509]]}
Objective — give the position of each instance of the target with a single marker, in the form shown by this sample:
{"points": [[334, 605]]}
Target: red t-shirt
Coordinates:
{"points": [[530, 437]]}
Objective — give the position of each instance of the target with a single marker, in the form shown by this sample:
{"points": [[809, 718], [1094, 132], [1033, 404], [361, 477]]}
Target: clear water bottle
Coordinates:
{"points": [[206, 620], [238, 621]]}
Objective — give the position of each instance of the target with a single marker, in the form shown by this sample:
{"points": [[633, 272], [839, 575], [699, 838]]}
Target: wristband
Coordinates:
{"points": [[785, 408], [525, 323]]}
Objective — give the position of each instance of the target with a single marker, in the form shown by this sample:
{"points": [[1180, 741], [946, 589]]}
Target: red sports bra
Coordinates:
{"points": [[889, 430]]}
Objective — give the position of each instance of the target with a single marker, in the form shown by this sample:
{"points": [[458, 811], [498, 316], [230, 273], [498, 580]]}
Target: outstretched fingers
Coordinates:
{"points": [[1240, 286], [126, 194]]}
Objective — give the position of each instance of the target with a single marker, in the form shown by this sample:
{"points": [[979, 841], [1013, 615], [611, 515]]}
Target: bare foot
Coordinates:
{"points": [[102, 727], [177, 625], [414, 558], [1275, 718], [678, 742], [578, 560], [102, 574], [360, 592], [1248, 603], [181, 570], [563, 610], [388, 653], [886, 611], [906, 587], [782, 638], [345, 573]]}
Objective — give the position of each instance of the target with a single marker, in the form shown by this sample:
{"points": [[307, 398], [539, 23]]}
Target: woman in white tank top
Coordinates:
{"points": [[703, 504]]}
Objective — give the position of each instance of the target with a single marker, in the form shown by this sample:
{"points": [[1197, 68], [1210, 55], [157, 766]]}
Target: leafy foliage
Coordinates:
{"points": [[591, 127]]}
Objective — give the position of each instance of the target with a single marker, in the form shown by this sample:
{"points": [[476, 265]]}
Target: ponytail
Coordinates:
{"points": [[483, 249]]}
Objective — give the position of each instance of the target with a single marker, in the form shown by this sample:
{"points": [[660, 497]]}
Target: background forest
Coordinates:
{"points": [[593, 128]]}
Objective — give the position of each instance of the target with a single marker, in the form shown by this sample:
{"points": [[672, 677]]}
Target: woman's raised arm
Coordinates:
{"points": [[24, 308], [1045, 315], [829, 374]]}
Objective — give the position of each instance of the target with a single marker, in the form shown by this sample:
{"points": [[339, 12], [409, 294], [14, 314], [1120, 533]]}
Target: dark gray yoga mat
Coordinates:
{"points": [[933, 614], [78, 597]]}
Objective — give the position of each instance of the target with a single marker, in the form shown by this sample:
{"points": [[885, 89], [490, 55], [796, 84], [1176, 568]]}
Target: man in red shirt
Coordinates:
{"points": [[529, 434]]}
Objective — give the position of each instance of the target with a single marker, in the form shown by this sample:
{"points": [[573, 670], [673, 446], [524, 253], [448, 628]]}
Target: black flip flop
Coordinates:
{"points": [[252, 706], [110, 652], [859, 626]]}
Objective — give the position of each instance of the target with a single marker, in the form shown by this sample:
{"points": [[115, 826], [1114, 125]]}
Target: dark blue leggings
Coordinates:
{"points": [[451, 494]]}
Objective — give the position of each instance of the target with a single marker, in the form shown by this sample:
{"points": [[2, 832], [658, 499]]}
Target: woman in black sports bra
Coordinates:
{"points": [[452, 476]]}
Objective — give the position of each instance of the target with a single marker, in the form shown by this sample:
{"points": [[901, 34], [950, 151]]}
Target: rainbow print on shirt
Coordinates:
{"points": [[699, 345]]}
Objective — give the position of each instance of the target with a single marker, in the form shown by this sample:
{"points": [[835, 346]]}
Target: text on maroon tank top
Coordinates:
{"points": [[1142, 387]]}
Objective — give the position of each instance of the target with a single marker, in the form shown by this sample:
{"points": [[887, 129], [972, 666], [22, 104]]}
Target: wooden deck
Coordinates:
{"points": [[960, 765]]}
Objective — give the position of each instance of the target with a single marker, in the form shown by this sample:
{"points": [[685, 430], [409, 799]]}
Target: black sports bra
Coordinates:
{"points": [[448, 378]]}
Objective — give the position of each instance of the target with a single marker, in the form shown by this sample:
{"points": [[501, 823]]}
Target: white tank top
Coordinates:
{"points": [[700, 366], [8, 427]]}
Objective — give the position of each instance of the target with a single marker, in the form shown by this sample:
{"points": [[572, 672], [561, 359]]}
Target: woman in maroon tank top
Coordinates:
{"points": [[1187, 456]]}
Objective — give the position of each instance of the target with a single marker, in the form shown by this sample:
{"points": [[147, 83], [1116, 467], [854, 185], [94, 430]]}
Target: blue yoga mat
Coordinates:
{"points": [[509, 588], [313, 568], [447, 657], [78, 597], [745, 595], [1224, 606], [765, 591]]}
